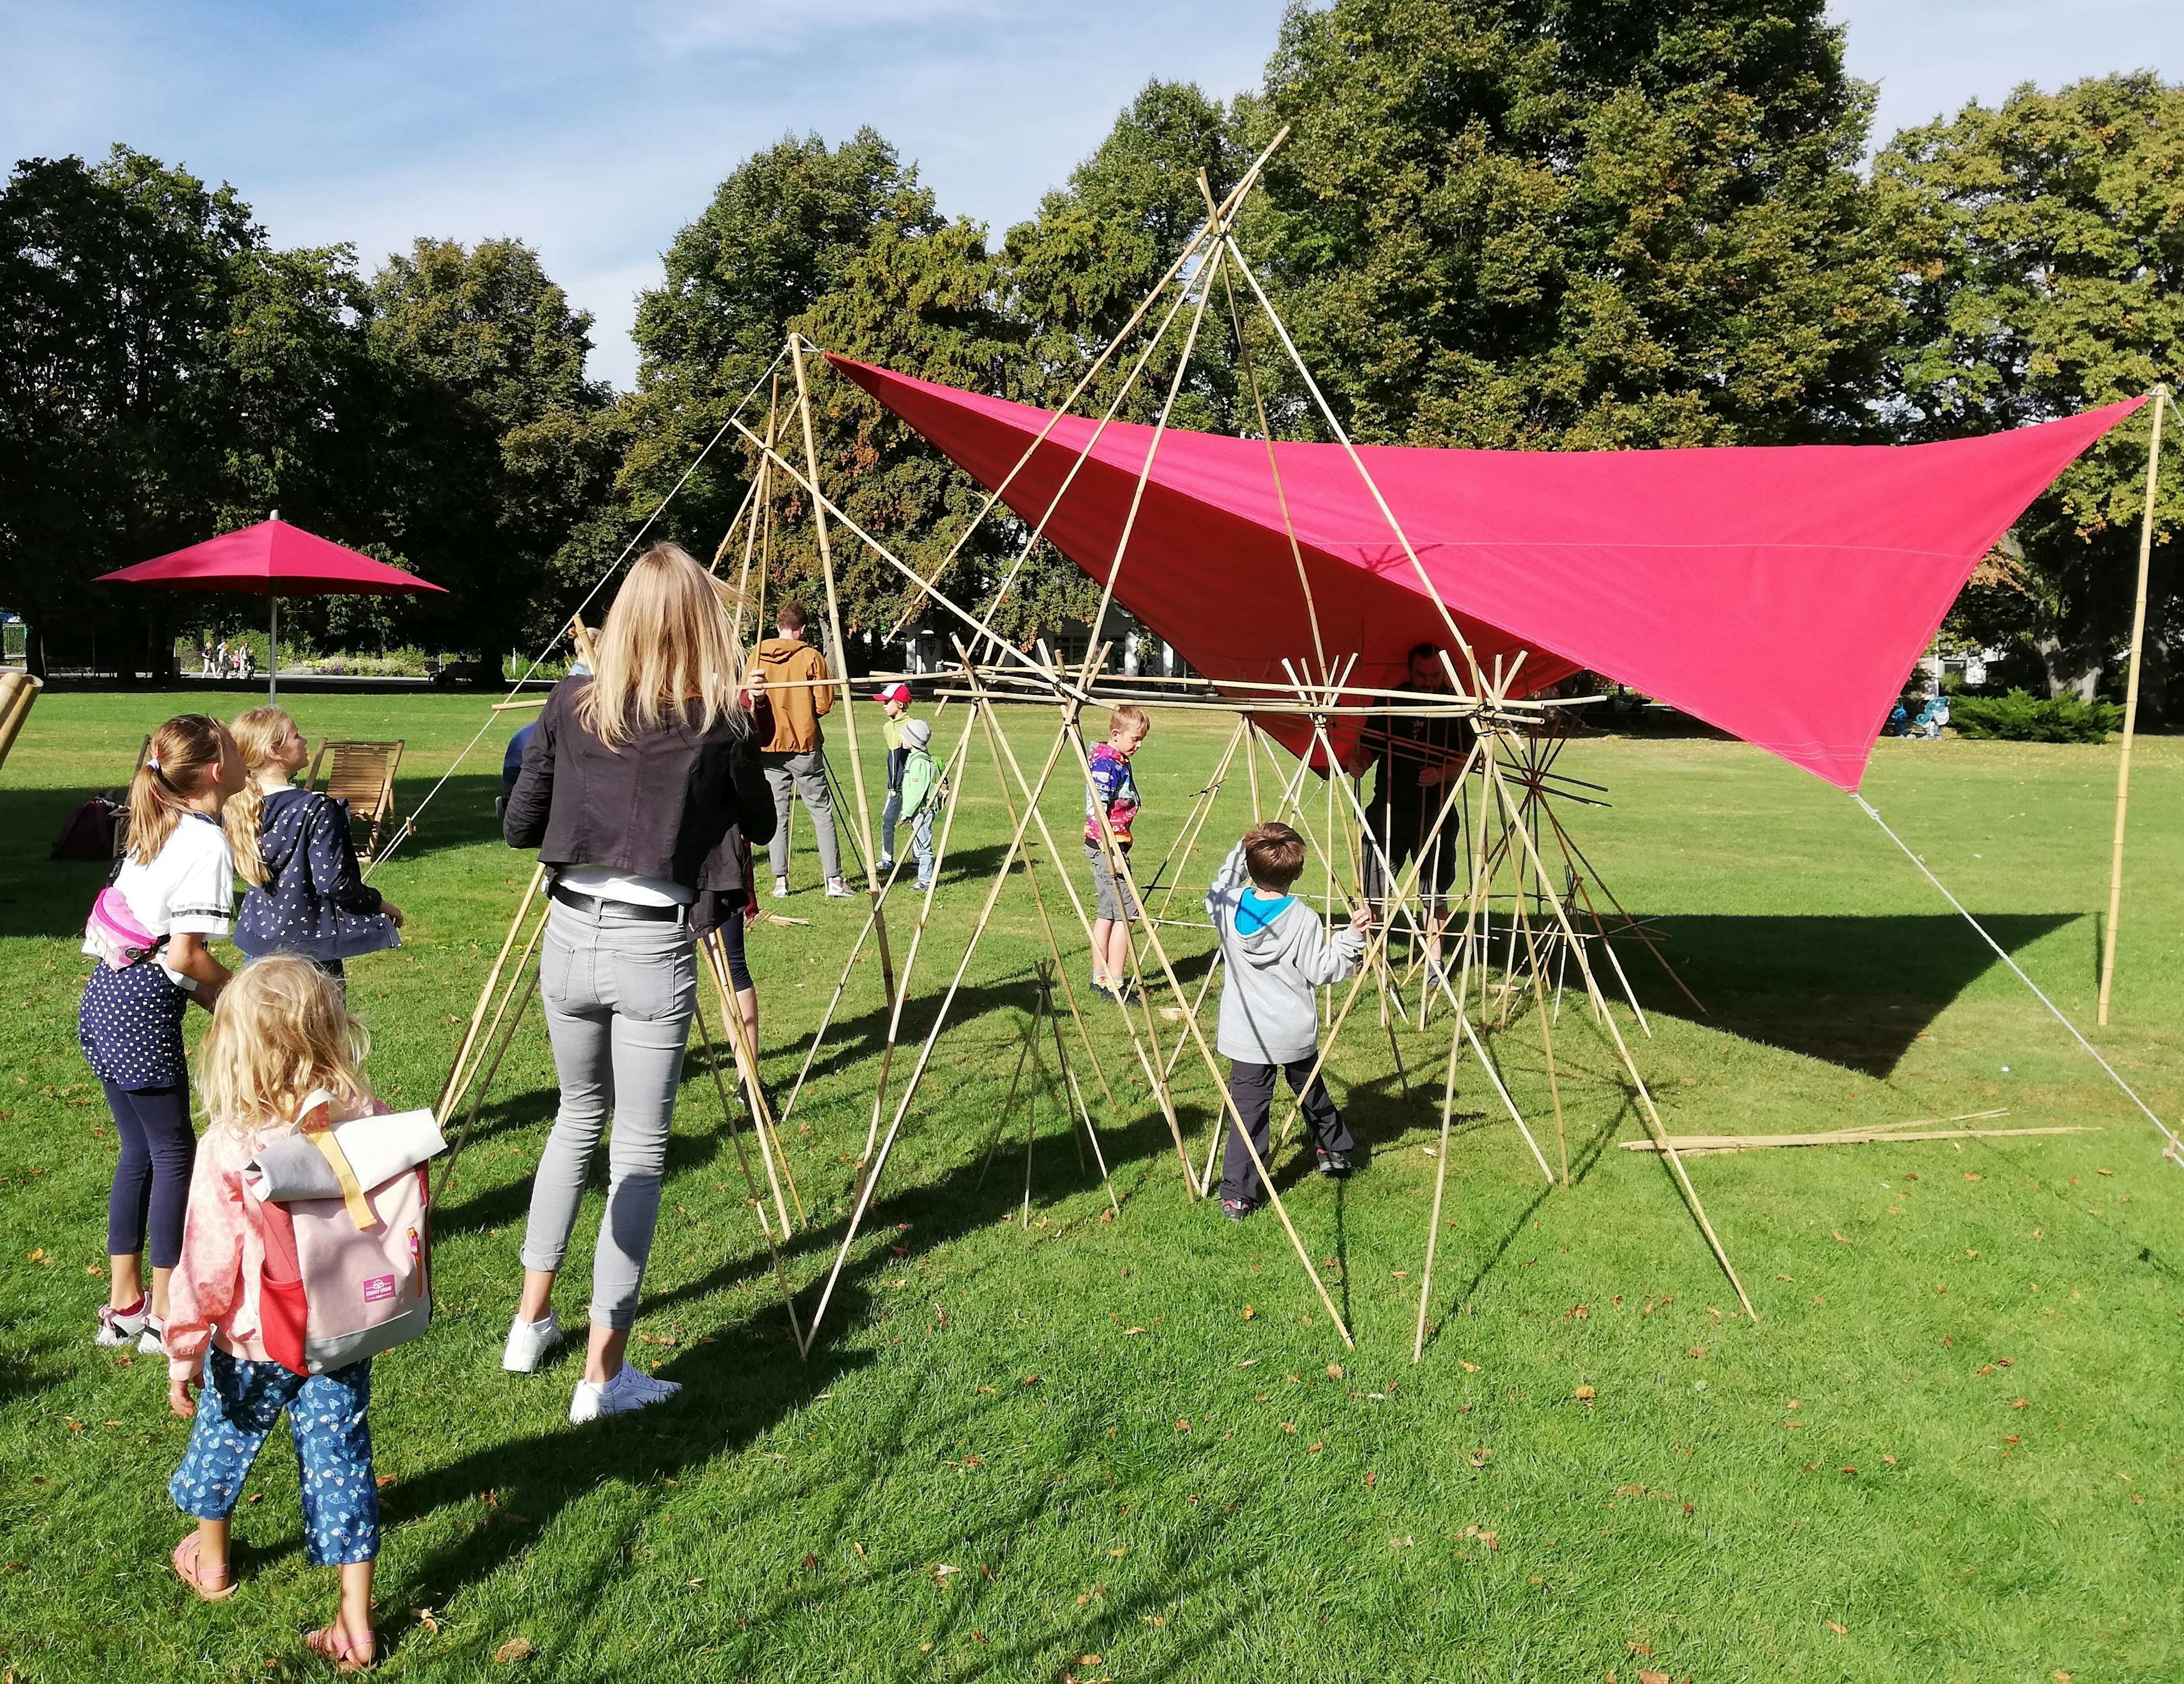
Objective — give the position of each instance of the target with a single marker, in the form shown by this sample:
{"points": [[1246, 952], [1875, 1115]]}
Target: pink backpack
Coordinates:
{"points": [[349, 1243]]}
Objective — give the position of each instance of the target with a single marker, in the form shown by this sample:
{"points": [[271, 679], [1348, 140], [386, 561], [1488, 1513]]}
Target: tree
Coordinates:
{"points": [[494, 448], [116, 289], [2043, 274], [1575, 226], [782, 230]]}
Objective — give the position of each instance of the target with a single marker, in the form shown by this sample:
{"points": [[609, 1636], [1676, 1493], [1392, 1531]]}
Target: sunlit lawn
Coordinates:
{"points": [[1136, 1449]]}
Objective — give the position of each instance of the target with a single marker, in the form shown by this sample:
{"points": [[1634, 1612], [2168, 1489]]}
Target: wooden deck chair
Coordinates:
{"points": [[361, 775]]}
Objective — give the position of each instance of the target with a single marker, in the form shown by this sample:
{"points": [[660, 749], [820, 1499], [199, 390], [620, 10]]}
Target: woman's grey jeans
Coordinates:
{"points": [[619, 993]]}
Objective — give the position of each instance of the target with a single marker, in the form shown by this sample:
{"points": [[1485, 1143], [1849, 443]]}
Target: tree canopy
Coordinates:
{"points": [[1553, 226]]}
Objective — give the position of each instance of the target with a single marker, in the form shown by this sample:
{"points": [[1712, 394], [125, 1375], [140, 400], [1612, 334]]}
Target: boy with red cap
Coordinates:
{"points": [[895, 700]]}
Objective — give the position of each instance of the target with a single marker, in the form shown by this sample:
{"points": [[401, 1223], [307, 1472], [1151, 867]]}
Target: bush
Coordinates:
{"points": [[2022, 717]]}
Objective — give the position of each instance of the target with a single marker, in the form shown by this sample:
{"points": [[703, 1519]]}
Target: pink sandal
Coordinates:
{"points": [[348, 1653], [187, 1569]]}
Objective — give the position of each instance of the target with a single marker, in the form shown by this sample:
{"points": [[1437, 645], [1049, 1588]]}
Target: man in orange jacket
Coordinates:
{"points": [[794, 676]]}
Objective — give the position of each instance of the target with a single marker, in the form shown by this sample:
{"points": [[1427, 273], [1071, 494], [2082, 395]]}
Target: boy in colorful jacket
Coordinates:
{"points": [[1112, 792]]}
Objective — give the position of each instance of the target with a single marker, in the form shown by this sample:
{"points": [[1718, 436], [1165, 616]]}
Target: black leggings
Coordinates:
{"points": [[152, 1181], [731, 944]]}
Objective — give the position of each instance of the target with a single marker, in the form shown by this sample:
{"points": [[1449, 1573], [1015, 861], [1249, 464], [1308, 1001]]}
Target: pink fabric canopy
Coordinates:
{"points": [[1778, 592], [270, 558]]}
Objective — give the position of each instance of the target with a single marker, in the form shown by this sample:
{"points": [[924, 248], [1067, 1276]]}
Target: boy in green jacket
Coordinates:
{"points": [[921, 794]]}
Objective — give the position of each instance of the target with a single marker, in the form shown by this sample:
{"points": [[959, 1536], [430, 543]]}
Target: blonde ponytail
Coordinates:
{"points": [[256, 733], [181, 756]]}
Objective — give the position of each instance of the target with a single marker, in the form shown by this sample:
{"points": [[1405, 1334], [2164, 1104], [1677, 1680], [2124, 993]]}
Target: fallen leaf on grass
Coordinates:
{"points": [[1652, 1678], [1583, 1394], [515, 1649], [1469, 1368], [1481, 1457], [1249, 1313], [2022, 1403], [1028, 1379], [1127, 1331], [1335, 1371], [1840, 1631]]}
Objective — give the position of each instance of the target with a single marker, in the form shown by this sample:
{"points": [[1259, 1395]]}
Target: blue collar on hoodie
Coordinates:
{"points": [[1254, 913]]}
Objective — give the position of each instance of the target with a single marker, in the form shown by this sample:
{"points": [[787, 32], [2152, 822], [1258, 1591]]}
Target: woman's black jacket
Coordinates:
{"points": [[673, 802]]}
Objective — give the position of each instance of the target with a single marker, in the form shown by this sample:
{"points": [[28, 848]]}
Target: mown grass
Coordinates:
{"points": [[1014, 1450]]}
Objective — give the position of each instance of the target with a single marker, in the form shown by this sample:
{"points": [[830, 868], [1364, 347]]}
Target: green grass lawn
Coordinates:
{"points": [[1135, 1449]]}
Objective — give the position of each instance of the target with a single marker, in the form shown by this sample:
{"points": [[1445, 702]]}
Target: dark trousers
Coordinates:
{"points": [[152, 1181], [1252, 1087]]}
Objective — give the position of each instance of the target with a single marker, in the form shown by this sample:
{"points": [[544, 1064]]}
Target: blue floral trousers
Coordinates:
{"points": [[237, 1408]]}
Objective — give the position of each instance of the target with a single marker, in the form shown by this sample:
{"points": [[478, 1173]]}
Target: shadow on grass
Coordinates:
{"points": [[1854, 991], [740, 1382]]}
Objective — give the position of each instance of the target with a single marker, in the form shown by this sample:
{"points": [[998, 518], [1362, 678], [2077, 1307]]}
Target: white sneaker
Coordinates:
{"points": [[116, 1329], [837, 890], [886, 862], [781, 888], [529, 1342], [153, 1340], [628, 1390]]}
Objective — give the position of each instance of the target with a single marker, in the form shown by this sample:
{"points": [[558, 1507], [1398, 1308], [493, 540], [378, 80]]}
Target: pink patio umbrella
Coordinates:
{"points": [[274, 560]]}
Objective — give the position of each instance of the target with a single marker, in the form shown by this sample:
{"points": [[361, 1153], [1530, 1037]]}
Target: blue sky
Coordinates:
{"points": [[595, 131]]}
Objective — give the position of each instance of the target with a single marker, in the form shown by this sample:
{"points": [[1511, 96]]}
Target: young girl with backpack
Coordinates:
{"points": [[292, 847], [150, 931], [281, 1037]]}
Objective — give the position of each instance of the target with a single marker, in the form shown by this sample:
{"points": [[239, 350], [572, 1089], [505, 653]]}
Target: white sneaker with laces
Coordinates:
{"points": [[837, 890], [627, 1390], [153, 1340], [529, 1342], [781, 888]]}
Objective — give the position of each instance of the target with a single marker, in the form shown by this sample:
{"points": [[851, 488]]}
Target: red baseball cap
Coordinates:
{"points": [[900, 693]]}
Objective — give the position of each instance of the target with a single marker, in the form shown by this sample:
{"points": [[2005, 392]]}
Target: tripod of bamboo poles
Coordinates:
{"points": [[1062, 1085]]}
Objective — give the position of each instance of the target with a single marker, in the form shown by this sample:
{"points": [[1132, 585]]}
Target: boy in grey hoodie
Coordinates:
{"points": [[1277, 952]]}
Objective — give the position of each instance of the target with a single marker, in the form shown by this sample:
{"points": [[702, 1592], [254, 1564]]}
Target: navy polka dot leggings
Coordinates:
{"points": [[152, 1181]]}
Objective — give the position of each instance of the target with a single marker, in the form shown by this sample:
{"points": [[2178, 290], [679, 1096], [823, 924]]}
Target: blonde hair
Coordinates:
{"points": [[181, 755], [667, 641], [280, 1030], [255, 733], [1130, 717]]}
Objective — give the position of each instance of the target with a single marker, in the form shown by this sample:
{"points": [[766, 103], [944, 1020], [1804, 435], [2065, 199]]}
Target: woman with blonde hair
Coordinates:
{"points": [[643, 792], [292, 847], [150, 931]]}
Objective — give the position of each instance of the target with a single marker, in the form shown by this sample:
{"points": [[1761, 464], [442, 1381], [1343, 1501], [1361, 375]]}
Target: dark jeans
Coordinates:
{"points": [[152, 1181], [1252, 1087]]}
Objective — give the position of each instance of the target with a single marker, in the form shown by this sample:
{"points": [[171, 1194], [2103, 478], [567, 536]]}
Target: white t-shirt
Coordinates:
{"points": [[631, 891], [188, 889]]}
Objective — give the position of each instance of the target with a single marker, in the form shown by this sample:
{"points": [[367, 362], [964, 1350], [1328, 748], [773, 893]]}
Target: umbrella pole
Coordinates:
{"points": [[273, 653]]}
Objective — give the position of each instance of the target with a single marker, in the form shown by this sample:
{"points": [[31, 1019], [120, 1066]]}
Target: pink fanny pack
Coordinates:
{"points": [[113, 935]]}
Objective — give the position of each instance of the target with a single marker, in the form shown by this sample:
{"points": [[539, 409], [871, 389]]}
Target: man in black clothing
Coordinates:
{"points": [[1416, 755]]}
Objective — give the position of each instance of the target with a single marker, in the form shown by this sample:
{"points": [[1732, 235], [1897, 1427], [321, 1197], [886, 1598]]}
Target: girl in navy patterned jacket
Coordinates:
{"points": [[292, 847]]}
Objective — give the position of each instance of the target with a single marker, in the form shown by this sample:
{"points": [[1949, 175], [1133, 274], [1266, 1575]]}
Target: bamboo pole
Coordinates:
{"points": [[997, 739], [450, 1092], [2130, 706], [1118, 862], [871, 1178], [1433, 1223], [840, 654], [750, 1182], [1647, 1111], [485, 1085], [731, 1026], [956, 761]]}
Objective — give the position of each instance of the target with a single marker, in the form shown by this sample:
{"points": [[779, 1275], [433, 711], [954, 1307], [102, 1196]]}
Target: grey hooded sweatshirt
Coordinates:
{"points": [[1268, 1014]]}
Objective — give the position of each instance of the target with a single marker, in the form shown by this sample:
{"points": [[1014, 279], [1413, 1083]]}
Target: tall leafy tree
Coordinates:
{"points": [[495, 446], [117, 283], [782, 230], [1512, 224], [2043, 273]]}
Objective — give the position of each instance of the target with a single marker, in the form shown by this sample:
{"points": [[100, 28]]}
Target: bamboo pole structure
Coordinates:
{"points": [[731, 1026], [458, 1072], [2131, 707], [838, 652]]}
